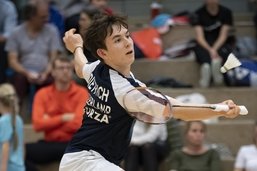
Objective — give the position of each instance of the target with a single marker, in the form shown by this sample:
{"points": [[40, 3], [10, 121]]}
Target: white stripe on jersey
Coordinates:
{"points": [[88, 68]]}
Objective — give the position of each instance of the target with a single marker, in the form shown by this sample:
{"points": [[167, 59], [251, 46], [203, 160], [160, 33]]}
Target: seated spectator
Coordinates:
{"points": [[8, 21], [11, 131], [31, 47], [195, 156], [212, 25], [147, 41], [56, 112], [148, 147], [85, 19], [246, 159], [71, 12], [55, 16]]}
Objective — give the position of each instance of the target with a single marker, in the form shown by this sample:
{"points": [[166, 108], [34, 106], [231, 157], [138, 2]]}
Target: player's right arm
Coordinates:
{"points": [[74, 43], [191, 113]]}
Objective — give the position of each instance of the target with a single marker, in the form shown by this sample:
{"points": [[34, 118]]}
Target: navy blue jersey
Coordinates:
{"points": [[106, 126]]}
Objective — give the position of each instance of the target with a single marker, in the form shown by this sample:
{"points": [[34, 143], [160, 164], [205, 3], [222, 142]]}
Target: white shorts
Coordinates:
{"points": [[86, 161]]}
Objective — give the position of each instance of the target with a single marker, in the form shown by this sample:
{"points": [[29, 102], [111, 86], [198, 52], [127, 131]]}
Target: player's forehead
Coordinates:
{"points": [[117, 30]]}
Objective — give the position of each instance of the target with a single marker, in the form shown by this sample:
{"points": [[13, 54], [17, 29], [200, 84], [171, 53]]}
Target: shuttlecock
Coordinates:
{"points": [[230, 63]]}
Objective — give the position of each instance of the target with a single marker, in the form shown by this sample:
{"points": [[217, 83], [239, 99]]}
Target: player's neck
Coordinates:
{"points": [[123, 70]]}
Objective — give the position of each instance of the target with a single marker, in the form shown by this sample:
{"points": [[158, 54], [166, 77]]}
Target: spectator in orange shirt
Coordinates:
{"points": [[57, 111]]}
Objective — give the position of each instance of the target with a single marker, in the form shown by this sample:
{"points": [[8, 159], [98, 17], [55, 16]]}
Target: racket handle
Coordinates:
{"points": [[243, 110], [221, 107]]}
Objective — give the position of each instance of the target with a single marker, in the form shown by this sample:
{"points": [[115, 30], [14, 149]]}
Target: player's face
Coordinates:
{"points": [[195, 135], [120, 48]]}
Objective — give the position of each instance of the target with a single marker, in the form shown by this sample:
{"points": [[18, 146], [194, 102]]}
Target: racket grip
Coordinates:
{"points": [[221, 107], [243, 110]]}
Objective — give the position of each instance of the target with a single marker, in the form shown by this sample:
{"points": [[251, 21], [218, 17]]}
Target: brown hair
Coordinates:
{"points": [[100, 28], [31, 8], [8, 98], [189, 124], [91, 11], [61, 57]]}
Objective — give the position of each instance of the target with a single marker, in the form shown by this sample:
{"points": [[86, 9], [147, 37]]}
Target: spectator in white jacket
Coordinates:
{"points": [[148, 147], [246, 159]]}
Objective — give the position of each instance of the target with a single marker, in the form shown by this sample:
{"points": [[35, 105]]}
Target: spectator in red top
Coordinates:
{"points": [[57, 111]]}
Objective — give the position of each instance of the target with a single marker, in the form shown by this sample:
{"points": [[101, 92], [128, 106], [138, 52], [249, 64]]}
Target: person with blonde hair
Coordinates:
{"points": [[11, 131]]}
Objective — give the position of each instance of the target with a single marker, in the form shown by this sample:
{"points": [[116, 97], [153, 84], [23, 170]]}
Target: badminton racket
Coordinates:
{"points": [[151, 106], [215, 107]]}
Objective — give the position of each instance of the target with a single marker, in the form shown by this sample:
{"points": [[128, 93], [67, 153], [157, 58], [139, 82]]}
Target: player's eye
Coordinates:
{"points": [[117, 40]]}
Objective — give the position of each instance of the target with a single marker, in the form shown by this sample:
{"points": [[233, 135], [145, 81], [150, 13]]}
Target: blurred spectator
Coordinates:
{"points": [[246, 159], [56, 17], [102, 5], [212, 25], [31, 47], [148, 147], [174, 134], [195, 155], [11, 131], [85, 19], [56, 112], [8, 21], [71, 14], [147, 41]]}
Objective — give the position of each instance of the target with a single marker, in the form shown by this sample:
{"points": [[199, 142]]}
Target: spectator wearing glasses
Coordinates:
{"points": [[57, 111]]}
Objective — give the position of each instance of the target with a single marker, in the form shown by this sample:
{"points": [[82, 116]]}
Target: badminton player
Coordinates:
{"points": [[101, 142]]}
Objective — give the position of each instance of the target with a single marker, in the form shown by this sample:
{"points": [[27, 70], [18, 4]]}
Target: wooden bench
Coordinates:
{"points": [[238, 131], [31, 136]]}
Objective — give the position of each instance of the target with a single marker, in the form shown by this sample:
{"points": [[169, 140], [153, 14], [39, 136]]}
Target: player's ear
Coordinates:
{"points": [[101, 53]]}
